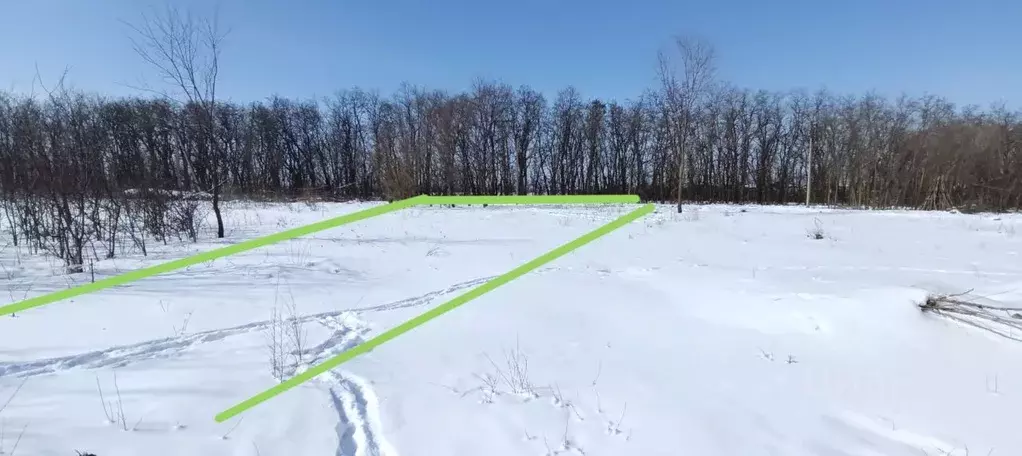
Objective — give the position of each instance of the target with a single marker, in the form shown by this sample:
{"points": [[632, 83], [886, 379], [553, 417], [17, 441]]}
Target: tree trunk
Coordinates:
{"points": [[216, 211]]}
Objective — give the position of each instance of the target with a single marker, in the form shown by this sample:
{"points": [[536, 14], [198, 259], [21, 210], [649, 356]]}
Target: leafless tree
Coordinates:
{"points": [[682, 95], [185, 52]]}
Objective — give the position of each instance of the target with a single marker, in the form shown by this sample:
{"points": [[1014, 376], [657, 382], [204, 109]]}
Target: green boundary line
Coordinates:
{"points": [[402, 328], [542, 199], [138, 274]]}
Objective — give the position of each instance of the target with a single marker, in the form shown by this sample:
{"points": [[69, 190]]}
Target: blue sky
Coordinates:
{"points": [[969, 51]]}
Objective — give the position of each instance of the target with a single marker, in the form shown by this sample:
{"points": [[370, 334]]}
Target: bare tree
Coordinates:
{"points": [[528, 116], [682, 96], [185, 51]]}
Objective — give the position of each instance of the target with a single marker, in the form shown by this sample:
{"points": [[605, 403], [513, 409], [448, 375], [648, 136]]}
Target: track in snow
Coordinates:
{"points": [[124, 355]]}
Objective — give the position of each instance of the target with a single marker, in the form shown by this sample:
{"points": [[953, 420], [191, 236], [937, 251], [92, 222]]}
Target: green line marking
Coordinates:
{"points": [[138, 274], [538, 199], [434, 312]]}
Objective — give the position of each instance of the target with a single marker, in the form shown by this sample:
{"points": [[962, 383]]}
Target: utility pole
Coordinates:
{"points": [[681, 166], [809, 166]]}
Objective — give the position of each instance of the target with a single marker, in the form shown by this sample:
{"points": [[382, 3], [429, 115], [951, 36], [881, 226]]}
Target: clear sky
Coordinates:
{"points": [[969, 51]]}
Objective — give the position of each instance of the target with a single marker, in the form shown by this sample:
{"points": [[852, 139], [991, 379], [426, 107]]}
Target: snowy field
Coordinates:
{"points": [[722, 331]]}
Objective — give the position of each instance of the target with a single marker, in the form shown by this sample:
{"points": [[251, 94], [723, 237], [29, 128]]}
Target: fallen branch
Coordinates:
{"points": [[1003, 321]]}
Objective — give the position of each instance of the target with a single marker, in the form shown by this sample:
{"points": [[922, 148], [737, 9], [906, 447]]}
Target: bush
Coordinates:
{"points": [[817, 232]]}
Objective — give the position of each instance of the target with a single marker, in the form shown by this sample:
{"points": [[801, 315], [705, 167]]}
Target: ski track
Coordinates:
{"points": [[359, 430], [359, 427], [124, 355]]}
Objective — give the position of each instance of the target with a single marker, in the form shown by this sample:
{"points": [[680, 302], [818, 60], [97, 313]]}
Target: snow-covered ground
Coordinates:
{"points": [[720, 331]]}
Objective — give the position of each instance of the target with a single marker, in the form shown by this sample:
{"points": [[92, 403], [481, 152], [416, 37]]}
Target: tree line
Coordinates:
{"points": [[79, 168], [742, 146]]}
